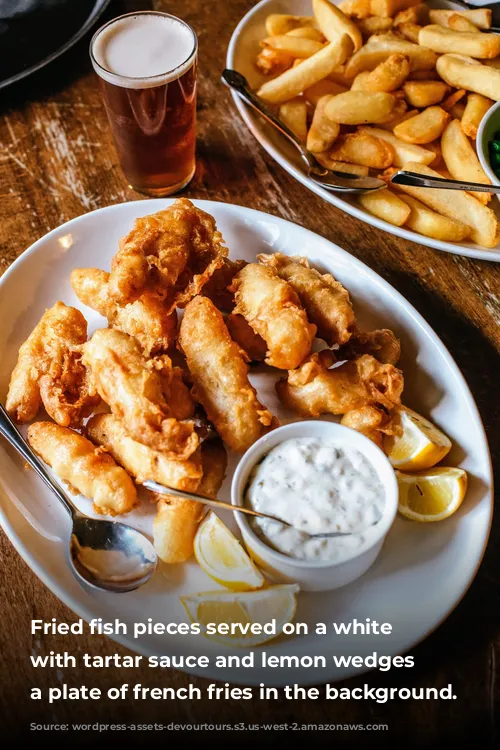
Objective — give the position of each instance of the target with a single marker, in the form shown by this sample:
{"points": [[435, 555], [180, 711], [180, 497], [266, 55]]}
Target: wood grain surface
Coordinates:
{"points": [[57, 161]]}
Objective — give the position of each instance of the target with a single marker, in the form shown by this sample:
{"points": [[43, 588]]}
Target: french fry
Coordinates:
{"points": [[457, 205], [339, 166], [334, 24], [424, 93], [417, 14], [480, 17], [314, 93], [294, 114], [273, 61], [493, 63], [453, 99], [403, 152], [293, 81], [461, 160], [458, 22], [373, 25], [388, 76], [390, 7], [338, 76], [457, 111], [432, 224], [323, 132], [386, 206], [356, 8], [423, 75], [409, 31], [460, 73], [281, 23], [365, 149], [379, 47], [307, 32], [434, 146], [292, 45], [473, 44], [399, 114], [475, 109], [424, 127], [360, 107]]}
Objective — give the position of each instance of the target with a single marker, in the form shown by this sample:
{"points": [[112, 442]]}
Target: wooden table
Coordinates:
{"points": [[57, 161]]}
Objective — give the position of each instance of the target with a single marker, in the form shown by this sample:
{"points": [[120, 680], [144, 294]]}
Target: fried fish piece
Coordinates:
{"points": [[217, 287], [175, 390], [141, 461], [172, 253], [325, 300], [146, 319], [314, 389], [370, 421], [220, 376], [49, 370], [177, 519], [134, 391], [381, 344], [87, 469], [273, 310], [246, 338]]}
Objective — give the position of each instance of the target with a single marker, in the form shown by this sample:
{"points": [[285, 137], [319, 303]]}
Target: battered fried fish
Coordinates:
{"points": [[381, 344], [324, 299], [177, 520], [87, 469], [313, 389], [220, 376], [134, 392], [273, 310], [146, 319], [172, 253], [217, 287], [49, 370], [370, 421], [246, 338], [176, 392], [141, 461]]}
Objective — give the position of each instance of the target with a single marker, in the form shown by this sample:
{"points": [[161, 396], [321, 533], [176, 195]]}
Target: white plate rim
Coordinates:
{"points": [[251, 120], [84, 611]]}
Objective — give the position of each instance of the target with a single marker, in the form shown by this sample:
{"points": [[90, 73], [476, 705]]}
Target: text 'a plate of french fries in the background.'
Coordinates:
{"points": [[373, 86]]}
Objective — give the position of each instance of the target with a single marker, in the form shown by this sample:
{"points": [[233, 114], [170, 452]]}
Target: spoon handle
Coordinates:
{"points": [[238, 83], [162, 490], [413, 179], [10, 432]]}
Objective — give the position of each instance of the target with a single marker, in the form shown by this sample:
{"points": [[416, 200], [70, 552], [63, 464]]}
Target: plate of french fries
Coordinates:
{"points": [[118, 370], [374, 86]]}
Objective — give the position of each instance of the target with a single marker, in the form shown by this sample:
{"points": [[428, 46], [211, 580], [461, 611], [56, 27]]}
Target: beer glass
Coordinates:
{"points": [[146, 62]]}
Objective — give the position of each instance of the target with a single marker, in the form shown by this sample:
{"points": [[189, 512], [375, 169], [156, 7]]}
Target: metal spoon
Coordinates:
{"points": [[155, 487], [103, 554], [341, 182], [403, 177]]}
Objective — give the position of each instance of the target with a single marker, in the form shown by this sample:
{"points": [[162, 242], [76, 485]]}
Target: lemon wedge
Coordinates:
{"points": [[243, 616], [223, 558], [419, 446], [431, 495]]}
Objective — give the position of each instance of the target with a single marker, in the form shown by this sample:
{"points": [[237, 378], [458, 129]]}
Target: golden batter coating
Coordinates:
{"points": [[370, 421], [172, 253], [133, 389], [146, 319], [49, 370], [324, 299], [217, 287], [87, 469], [141, 461], [381, 344], [220, 376], [177, 519], [314, 389], [273, 310], [252, 344]]}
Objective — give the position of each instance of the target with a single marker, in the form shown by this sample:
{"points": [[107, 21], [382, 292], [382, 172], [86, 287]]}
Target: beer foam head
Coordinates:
{"points": [[142, 50]]}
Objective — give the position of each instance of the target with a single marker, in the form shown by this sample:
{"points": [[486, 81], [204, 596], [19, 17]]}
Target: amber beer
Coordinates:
{"points": [[147, 64]]}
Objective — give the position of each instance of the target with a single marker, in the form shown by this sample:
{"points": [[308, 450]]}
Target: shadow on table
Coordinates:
{"points": [[63, 71]]}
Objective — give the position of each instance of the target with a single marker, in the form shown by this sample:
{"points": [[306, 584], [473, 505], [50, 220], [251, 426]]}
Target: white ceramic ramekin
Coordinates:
{"points": [[312, 575], [490, 124]]}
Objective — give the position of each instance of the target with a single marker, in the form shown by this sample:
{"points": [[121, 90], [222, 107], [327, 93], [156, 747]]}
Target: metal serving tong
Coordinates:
{"points": [[342, 182], [162, 490]]}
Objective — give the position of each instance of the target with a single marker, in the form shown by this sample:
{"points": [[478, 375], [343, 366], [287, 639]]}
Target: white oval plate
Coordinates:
{"points": [[423, 569], [242, 51]]}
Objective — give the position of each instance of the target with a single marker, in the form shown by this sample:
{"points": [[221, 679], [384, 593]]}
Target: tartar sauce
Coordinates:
{"points": [[317, 486]]}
